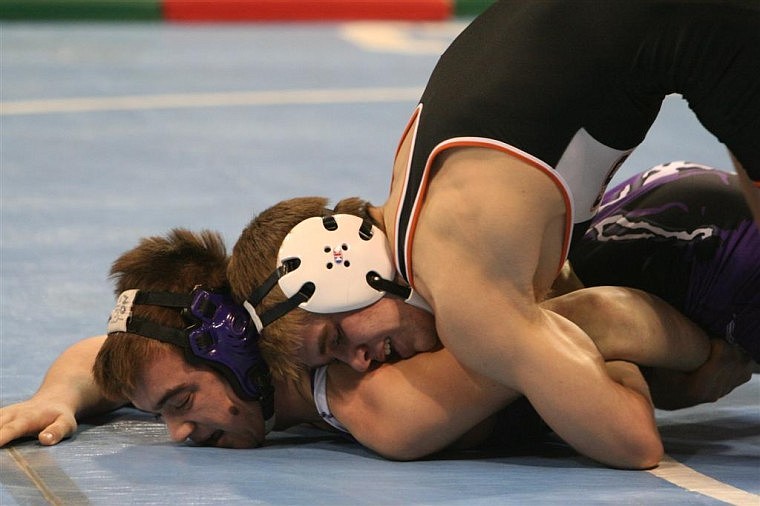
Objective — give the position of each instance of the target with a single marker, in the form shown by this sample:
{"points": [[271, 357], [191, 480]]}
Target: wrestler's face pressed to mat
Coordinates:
{"points": [[198, 404], [387, 329]]}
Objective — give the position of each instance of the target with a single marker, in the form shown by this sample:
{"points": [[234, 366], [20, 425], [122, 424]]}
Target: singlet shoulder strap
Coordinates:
{"points": [[319, 390]]}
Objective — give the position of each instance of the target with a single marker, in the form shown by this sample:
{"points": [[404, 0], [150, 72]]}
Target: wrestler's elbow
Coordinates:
{"points": [[395, 445], [647, 455], [402, 454], [641, 449], [629, 442], [402, 451]]}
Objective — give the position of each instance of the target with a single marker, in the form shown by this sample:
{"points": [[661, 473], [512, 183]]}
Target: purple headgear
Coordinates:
{"points": [[221, 335]]}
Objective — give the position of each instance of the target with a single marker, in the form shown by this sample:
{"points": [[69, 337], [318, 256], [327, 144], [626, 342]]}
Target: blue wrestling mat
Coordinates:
{"points": [[112, 132], [713, 458]]}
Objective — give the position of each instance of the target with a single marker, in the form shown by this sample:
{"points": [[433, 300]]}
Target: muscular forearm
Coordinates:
{"points": [[561, 372], [628, 324], [414, 407], [70, 379], [611, 421]]}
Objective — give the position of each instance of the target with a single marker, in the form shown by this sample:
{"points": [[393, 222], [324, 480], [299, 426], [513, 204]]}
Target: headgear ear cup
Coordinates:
{"points": [[336, 254], [221, 336]]}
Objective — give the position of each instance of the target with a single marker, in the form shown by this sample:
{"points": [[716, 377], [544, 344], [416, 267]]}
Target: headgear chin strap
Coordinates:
{"points": [[331, 264], [221, 336]]}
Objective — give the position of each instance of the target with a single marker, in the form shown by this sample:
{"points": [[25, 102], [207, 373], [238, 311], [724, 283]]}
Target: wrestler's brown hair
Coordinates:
{"points": [[176, 262], [254, 258]]}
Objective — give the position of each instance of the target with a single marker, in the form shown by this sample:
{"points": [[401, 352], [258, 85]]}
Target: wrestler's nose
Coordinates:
{"points": [[179, 430], [359, 358]]}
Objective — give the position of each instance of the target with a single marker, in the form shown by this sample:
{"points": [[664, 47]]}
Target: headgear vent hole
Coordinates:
{"points": [[330, 223]]}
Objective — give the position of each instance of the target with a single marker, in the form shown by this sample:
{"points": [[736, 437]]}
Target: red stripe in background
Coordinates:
{"points": [[306, 10]]}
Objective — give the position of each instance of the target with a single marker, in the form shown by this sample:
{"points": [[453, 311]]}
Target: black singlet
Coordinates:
{"points": [[573, 86]]}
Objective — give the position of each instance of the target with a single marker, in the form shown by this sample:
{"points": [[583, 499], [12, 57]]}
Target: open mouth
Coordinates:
{"points": [[213, 439], [390, 352]]}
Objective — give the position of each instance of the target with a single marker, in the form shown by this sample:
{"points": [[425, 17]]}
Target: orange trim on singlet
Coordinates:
{"points": [[412, 123], [409, 124], [756, 183], [489, 144]]}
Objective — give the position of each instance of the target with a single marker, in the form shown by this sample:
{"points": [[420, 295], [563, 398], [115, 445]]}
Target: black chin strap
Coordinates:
{"points": [[383, 285], [165, 299], [147, 328], [284, 307], [258, 374], [405, 292], [304, 294]]}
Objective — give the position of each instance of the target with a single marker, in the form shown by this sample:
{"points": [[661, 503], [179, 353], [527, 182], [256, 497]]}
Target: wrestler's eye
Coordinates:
{"points": [[339, 337], [183, 404]]}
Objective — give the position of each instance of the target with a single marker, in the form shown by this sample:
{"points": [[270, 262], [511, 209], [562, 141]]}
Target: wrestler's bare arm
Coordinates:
{"points": [[414, 407], [628, 324], [67, 393], [424, 404], [560, 370], [486, 251]]}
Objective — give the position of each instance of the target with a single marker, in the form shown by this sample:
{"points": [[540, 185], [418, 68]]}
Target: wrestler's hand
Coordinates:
{"points": [[48, 419], [727, 367]]}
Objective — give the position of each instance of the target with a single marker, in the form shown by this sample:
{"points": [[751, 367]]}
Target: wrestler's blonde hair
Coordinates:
{"points": [[254, 258]]}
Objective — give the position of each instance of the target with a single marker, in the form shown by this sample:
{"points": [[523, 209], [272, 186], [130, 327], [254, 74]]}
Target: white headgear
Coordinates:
{"points": [[336, 253]]}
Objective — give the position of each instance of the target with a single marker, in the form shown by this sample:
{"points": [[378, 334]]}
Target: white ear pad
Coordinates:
{"points": [[337, 262]]}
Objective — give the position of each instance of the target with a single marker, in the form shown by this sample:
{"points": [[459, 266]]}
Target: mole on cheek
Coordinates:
{"points": [[234, 411]]}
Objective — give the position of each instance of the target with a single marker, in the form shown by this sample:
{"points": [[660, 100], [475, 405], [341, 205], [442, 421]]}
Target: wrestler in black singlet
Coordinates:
{"points": [[684, 233], [577, 84]]}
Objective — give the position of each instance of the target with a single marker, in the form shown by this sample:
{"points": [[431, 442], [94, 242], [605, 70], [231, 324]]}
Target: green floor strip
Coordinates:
{"points": [[471, 7], [80, 10]]}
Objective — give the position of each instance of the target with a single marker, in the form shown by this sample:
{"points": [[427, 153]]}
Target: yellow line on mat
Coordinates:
{"points": [[35, 478], [216, 99], [694, 481]]}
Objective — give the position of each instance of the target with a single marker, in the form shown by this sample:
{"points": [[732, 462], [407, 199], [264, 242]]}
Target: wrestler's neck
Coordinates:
{"points": [[294, 402]]}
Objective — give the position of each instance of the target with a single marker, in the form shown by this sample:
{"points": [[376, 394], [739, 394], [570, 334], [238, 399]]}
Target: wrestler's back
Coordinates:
{"points": [[578, 84]]}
